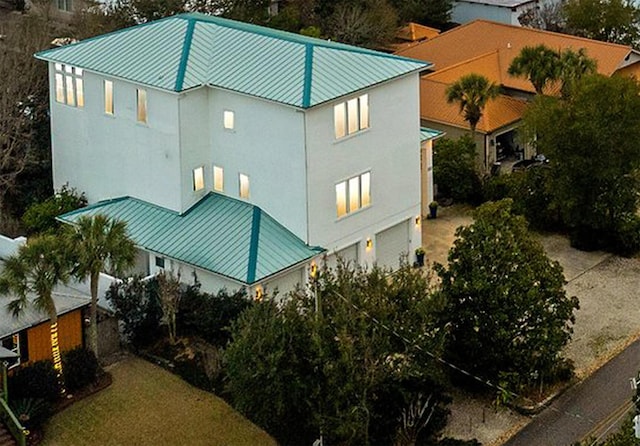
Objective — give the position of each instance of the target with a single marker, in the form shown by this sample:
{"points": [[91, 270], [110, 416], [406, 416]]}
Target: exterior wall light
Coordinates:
{"points": [[369, 243]]}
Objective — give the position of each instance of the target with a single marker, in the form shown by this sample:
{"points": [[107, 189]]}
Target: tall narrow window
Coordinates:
{"points": [[351, 116], [229, 119], [142, 105], [198, 178], [218, 178], [353, 194], [108, 97], [69, 85], [244, 186]]}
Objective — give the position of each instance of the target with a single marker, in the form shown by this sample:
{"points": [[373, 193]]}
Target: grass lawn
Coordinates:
{"points": [[147, 405]]}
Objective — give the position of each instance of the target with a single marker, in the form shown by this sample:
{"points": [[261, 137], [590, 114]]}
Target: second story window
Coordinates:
{"points": [[218, 179], [229, 120], [351, 116], [65, 5], [108, 97], [244, 186], [353, 194], [141, 99], [69, 85], [198, 178]]}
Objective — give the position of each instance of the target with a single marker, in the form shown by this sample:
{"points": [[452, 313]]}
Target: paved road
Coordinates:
{"points": [[590, 408]]}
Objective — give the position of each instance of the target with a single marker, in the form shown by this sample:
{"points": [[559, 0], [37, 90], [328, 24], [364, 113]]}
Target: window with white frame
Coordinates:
{"points": [[218, 179], [244, 186], [198, 178], [108, 97], [229, 120], [12, 343], [64, 5], [69, 85], [141, 100], [351, 116], [353, 194]]}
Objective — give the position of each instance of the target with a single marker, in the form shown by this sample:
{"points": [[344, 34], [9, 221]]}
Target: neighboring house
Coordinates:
{"points": [[28, 335], [487, 48], [411, 34], [240, 152], [427, 137], [503, 11]]}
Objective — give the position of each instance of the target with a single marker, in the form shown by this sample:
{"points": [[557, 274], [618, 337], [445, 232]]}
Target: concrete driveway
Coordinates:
{"points": [[608, 319]]}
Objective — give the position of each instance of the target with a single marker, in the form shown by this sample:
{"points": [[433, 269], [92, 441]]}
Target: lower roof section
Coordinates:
{"points": [[220, 234]]}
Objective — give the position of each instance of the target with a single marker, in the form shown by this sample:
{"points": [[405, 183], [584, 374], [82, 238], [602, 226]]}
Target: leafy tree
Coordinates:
{"points": [[365, 23], [539, 64], [29, 278], [472, 92], [573, 66], [454, 168], [506, 309], [341, 371], [99, 244], [41, 217], [430, 12], [593, 140], [169, 292], [549, 17], [613, 21]]}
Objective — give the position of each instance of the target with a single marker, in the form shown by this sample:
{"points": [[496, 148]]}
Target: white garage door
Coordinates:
{"points": [[391, 243], [349, 255]]}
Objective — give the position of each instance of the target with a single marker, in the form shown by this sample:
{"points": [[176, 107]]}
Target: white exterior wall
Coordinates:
{"points": [[266, 144], [112, 156], [389, 149], [464, 12]]}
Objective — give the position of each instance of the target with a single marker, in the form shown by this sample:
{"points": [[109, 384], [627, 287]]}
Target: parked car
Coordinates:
{"points": [[536, 161]]}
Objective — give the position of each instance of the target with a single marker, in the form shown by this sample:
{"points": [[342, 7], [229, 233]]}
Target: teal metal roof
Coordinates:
{"points": [[189, 50], [427, 134], [219, 234]]}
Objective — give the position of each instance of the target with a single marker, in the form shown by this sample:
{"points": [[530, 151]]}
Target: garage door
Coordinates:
{"points": [[391, 243], [349, 255]]}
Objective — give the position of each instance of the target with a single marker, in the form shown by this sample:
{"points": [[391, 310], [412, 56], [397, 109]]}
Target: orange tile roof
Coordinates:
{"points": [[469, 42], [498, 113], [415, 31]]}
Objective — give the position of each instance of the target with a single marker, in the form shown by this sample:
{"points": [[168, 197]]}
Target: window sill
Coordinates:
{"points": [[350, 136], [356, 212]]}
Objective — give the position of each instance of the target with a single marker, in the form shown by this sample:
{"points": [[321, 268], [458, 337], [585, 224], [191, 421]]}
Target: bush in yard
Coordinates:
{"points": [[37, 380], [507, 313], [454, 169], [80, 367], [41, 217], [137, 307], [31, 412], [210, 316]]}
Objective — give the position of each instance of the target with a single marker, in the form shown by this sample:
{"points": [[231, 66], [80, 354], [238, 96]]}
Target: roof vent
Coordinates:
{"points": [[509, 45]]}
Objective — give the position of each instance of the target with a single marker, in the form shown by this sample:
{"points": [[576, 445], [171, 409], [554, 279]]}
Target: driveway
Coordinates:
{"points": [[608, 319]]}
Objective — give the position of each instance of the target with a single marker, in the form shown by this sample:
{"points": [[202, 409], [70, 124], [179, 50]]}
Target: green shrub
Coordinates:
{"points": [[210, 316], [41, 217], [80, 368], [454, 169], [626, 239], [37, 380], [31, 412]]}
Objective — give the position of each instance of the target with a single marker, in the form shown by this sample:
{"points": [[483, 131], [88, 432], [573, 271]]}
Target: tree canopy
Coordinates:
{"points": [[506, 309], [539, 64], [472, 92], [613, 21]]}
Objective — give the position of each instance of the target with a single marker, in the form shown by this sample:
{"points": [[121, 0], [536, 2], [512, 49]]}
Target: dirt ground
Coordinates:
{"points": [[607, 321]]}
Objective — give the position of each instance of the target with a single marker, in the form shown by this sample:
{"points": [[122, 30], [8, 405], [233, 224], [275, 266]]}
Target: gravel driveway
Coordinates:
{"points": [[607, 321]]}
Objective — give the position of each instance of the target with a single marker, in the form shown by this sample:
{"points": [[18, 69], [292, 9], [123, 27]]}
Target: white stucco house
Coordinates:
{"points": [[502, 11], [239, 152]]}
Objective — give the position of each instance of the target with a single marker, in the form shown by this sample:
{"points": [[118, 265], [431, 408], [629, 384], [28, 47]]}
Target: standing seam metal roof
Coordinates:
{"points": [[189, 50], [220, 234]]}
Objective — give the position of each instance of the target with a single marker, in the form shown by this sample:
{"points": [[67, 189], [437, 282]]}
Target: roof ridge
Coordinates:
{"points": [[464, 62], [184, 58], [252, 264], [308, 76]]}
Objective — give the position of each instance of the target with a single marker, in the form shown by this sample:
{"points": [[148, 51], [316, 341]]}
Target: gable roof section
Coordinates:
{"points": [[426, 134], [220, 234], [66, 298], [498, 113], [469, 42], [190, 50]]}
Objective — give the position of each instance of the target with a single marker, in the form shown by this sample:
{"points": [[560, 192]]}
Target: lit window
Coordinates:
{"points": [[244, 186], [69, 85], [198, 178], [12, 343], [141, 96], [229, 120], [218, 178], [353, 194], [351, 116], [108, 97]]}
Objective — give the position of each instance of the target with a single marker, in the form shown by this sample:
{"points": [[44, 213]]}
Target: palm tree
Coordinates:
{"points": [[574, 65], [35, 270], [472, 92], [99, 244], [539, 64]]}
